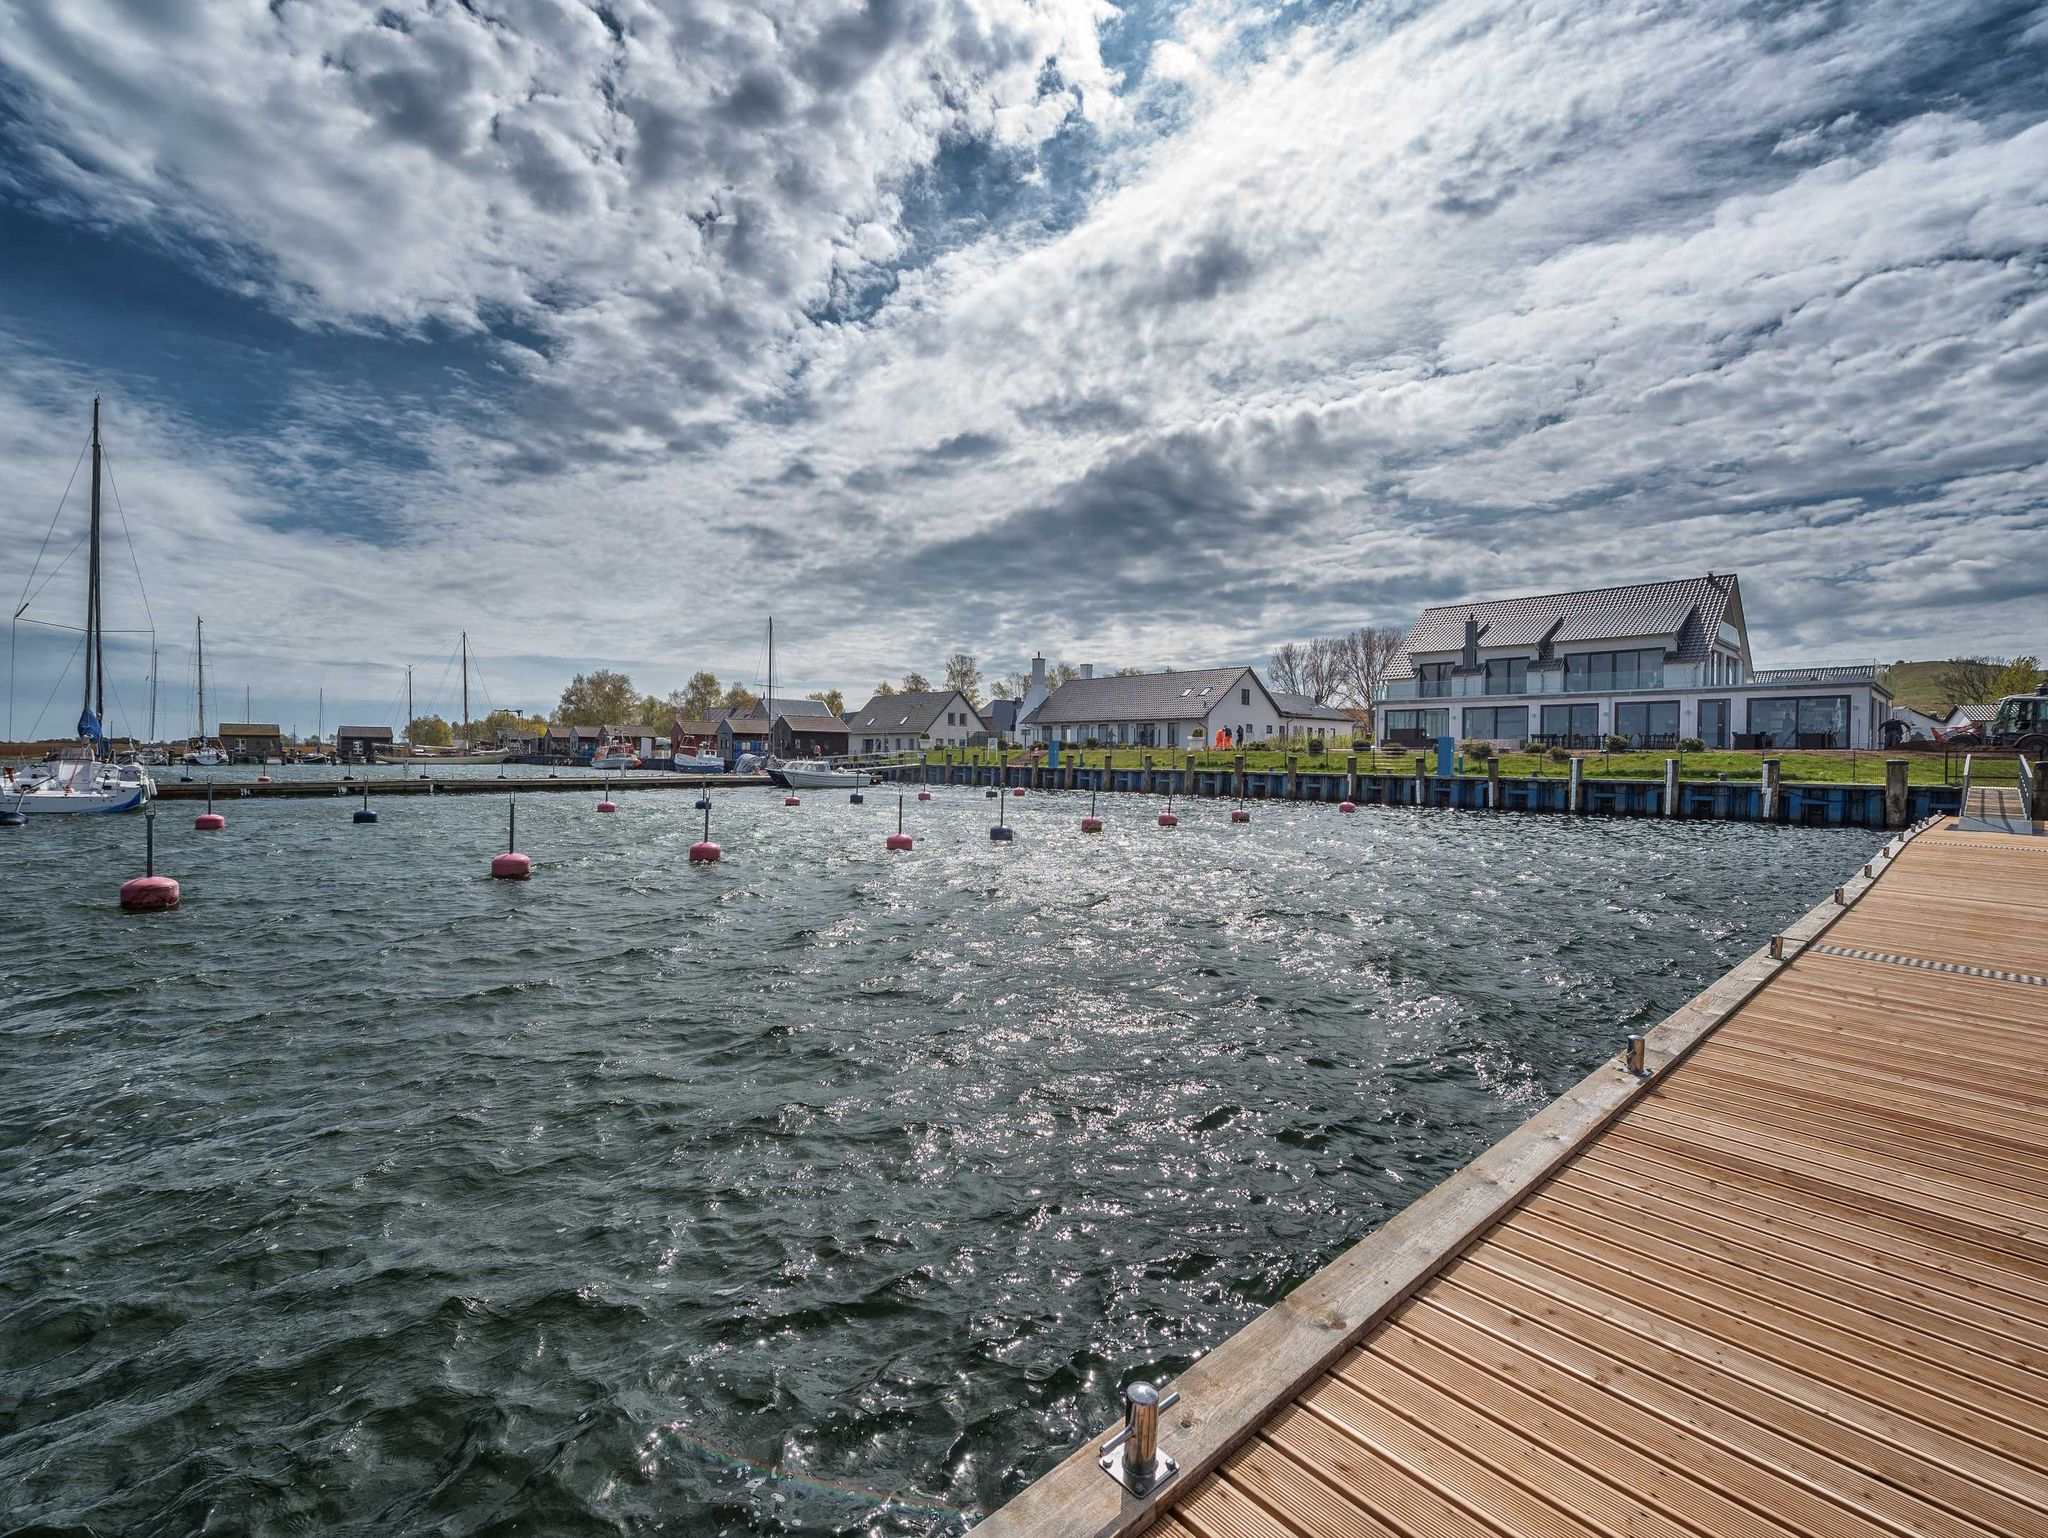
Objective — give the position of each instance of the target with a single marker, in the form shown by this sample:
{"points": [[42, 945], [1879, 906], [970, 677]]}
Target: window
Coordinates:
{"points": [[1814, 721], [1713, 728], [1433, 680], [1501, 723], [1416, 725], [1602, 672], [1571, 726], [1647, 723], [1507, 675], [1244, 696]]}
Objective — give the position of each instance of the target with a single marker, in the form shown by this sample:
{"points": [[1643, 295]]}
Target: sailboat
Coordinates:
{"points": [[801, 773], [201, 754], [453, 756], [85, 778]]}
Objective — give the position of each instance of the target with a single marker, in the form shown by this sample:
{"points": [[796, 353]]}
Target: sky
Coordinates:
{"points": [[1137, 333]]}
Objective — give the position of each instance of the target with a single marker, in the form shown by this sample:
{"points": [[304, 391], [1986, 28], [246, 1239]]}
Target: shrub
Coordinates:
{"points": [[1615, 744], [1691, 745], [1477, 748], [1559, 755]]}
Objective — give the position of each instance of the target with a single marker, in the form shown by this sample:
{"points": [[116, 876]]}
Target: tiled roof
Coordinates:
{"points": [[374, 733], [781, 706], [909, 714], [1685, 614], [817, 726], [1302, 707], [244, 729], [1140, 697]]}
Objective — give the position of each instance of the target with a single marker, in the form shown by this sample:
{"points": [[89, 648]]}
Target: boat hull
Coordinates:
{"points": [[80, 803], [820, 779]]}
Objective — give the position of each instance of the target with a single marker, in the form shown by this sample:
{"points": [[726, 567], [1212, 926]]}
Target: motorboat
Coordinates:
{"points": [[698, 763], [815, 774], [615, 757]]}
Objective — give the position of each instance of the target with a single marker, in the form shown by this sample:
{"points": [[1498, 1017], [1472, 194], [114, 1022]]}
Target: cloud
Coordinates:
{"points": [[1148, 335]]}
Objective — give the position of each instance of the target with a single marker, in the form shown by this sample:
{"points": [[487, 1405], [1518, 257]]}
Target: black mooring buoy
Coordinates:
{"points": [[363, 813]]}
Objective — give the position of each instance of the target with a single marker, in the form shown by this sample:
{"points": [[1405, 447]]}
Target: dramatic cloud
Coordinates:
{"points": [[1142, 333]]}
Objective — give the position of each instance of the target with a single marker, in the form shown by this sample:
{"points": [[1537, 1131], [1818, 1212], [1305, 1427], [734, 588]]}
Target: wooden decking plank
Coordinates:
{"points": [[1631, 1493], [1750, 1462], [2017, 1266], [1360, 1476], [1874, 1384], [1782, 1421], [1875, 1313], [1963, 1078], [1215, 1509], [1854, 1269], [1267, 1474]]}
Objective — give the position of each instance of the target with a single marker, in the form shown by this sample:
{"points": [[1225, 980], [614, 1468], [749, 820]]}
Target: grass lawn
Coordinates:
{"points": [[1808, 768]]}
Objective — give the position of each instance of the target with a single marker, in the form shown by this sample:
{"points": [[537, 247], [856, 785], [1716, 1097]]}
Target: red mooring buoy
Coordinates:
{"points": [[147, 894], [262, 779], [704, 852], [1239, 814], [900, 841], [607, 806], [1168, 820], [512, 866], [1091, 824], [791, 801], [1017, 790], [1347, 806], [924, 795], [209, 822]]}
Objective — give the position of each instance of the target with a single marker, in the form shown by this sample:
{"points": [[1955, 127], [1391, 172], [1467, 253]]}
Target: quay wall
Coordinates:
{"points": [[1768, 799]]}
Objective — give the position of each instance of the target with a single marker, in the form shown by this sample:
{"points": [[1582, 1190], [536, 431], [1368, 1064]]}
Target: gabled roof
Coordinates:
{"points": [[1973, 712], [244, 729], [907, 714], [818, 726], [1685, 614], [780, 706], [374, 733], [1302, 707], [1142, 697]]}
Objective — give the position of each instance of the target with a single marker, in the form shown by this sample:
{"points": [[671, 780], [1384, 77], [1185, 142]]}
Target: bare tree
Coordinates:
{"points": [[1058, 673], [1011, 686], [1968, 680], [1322, 669], [1366, 653], [1285, 668]]}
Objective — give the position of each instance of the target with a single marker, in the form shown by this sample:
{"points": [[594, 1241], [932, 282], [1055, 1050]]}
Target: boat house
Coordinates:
{"points": [[361, 744], [808, 736], [915, 723], [1652, 664], [250, 742], [1159, 710], [746, 731]]}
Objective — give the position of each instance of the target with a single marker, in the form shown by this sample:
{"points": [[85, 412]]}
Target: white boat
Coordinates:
{"points": [[83, 779], [615, 758], [78, 783], [206, 758], [815, 774], [699, 763]]}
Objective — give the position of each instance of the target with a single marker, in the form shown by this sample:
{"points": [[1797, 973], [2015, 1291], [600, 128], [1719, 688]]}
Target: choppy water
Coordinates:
{"points": [[817, 1192]]}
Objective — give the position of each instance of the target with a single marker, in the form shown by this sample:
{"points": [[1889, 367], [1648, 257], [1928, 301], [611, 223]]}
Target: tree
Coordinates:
{"points": [[739, 697], [1367, 653], [1011, 686], [1059, 673], [1128, 673], [964, 674], [1285, 668], [1968, 680], [602, 698], [831, 699], [914, 683], [430, 732], [504, 725], [884, 688], [657, 712], [700, 696], [2022, 675], [1322, 669]]}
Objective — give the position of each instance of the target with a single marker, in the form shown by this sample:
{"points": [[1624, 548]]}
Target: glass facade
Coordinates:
{"points": [[1809, 721], [1647, 723], [1507, 675], [1713, 730], [1497, 723], [1413, 725], [1569, 726], [1433, 680], [1599, 672]]}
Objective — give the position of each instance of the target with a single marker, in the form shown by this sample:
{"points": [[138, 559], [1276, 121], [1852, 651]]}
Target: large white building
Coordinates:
{"points": [[1158, 710], [912, 723], [1653, 664]]}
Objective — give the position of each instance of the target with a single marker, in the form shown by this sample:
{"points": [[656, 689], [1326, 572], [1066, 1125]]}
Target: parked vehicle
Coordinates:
{"points": [[2019, 721]]}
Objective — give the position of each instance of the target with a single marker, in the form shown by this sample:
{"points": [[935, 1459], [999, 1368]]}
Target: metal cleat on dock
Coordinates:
{"points": [[1133, 1457]]}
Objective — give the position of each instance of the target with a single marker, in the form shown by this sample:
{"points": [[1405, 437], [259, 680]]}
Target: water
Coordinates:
{"points": [[817, 1192]]}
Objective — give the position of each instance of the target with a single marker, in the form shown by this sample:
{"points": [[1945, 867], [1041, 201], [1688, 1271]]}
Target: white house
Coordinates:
{"points": [[1967, 718], [1158, 710], [1654, 664], [1910, 724], [1303, 717], [910, 723]]}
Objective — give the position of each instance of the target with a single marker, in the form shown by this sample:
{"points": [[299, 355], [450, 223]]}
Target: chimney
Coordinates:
{"points": [[1038, 672], [1087, 670]]}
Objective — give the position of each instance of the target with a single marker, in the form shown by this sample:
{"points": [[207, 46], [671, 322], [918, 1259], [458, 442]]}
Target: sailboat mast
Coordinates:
{"points": [[408, 703], [152, 686], [465, 688], [95, 656], [199, 630], [320, 720], [768, 705]]}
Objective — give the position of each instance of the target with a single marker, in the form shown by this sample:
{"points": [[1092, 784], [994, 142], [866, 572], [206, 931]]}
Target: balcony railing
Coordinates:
{"points": [[1845, 673]]}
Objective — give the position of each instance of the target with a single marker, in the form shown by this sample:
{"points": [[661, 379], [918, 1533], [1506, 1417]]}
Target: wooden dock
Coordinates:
{"points": [[1794, 1282], [453, 785]]}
